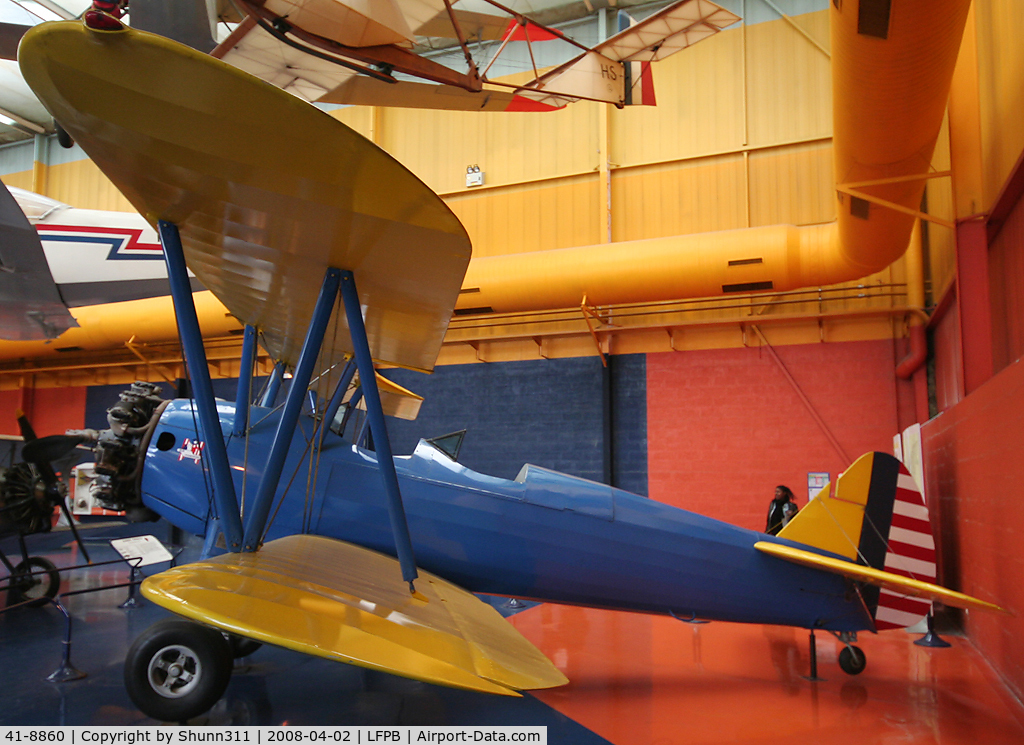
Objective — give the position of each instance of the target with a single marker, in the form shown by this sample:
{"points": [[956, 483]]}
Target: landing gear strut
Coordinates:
{"points": [[852, 659]]}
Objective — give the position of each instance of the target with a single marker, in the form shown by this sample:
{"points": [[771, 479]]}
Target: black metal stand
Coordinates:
{"points": [[66, 672], [132, 603], [931, 639], [814, 660]]}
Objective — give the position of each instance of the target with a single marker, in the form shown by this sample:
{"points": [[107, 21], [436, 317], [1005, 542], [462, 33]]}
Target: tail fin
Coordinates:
{"points": [[877, 518], [639, 84]]}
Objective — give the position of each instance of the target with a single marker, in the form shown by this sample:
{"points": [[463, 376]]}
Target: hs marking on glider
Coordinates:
{"points": [[314, 568]]}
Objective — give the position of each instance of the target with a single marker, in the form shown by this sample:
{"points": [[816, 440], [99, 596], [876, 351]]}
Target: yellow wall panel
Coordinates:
{"points": [[356, 117], [20, 180], [789, 84], [679, 198], [792, 185], [510, 148], [700, 104], [535, 217], [82, 184], [939, 201], [1001, 89]]}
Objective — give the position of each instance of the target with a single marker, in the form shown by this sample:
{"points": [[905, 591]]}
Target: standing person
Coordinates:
{"points": [[782, 508]]}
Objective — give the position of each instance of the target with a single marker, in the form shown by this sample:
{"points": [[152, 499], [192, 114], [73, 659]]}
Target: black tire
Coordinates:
{"points": [[38, 588], [242, 646], [63, 137], [176, 669], [852, 660]]}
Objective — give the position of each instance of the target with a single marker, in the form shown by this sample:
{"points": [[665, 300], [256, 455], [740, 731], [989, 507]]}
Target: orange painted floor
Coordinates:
{"points": [[646, 680]]}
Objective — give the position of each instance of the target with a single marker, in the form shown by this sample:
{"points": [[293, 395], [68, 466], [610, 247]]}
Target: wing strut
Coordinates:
{"points": [[375, 416], [244, 396], [256, 519], [215, 454], [273, 386], [339, 393]]}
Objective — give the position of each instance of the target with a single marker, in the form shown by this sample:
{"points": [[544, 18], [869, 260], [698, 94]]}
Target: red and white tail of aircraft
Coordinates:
{"points": [[911, 553], [336, 51], [877, 520]]}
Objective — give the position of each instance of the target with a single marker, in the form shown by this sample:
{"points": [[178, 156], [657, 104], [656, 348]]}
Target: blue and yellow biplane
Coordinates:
{"points": [[339, 259]]}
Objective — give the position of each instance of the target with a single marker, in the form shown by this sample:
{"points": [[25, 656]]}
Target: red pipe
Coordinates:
{"points": [[918, 352]]}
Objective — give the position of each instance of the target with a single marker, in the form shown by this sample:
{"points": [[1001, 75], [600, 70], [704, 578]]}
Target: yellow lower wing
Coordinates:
{"points": [[888, 580], [337, 600]]}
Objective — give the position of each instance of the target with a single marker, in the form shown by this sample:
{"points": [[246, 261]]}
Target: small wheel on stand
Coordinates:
{"points": [[35, 579], [852, 660], [176, 669]]}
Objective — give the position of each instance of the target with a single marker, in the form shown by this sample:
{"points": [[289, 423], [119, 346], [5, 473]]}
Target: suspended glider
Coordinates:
{"points": [[341, 257]]}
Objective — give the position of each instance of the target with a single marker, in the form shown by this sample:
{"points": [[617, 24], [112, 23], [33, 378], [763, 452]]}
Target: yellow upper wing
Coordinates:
{"points": [[267, 190], [337, 600]]}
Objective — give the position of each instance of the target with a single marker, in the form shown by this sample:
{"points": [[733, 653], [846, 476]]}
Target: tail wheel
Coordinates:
{"points": [[852, 660], [176, 670], [35, 579]]}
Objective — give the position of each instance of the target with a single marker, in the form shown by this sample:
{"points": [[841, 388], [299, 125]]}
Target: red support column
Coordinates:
{"points": [[975, 306]]}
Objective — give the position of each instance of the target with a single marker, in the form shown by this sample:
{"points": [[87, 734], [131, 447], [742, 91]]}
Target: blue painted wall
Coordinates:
{"points": [[629, 422], [571, 415]]}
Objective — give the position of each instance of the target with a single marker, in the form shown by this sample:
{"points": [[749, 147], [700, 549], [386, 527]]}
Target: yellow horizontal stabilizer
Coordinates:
{"points": [[337, 600], [267, 191], [888, 580]]}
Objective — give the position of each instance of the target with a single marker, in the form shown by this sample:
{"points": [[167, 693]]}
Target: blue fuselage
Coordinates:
{"points": [[545, 535]]}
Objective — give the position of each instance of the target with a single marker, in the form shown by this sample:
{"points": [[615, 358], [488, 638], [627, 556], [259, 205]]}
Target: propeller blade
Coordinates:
{"points": [[25, 427], [50, 448]]}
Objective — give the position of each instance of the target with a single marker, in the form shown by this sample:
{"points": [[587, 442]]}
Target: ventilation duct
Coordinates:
{"points": [[889, 95]]}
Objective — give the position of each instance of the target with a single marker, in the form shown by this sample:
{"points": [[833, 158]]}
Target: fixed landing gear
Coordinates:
{"points": [[176, 669], [852, 660]]}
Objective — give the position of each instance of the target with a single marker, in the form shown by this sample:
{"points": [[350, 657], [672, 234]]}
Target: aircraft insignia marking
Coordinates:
{"points": [[191, 449]]}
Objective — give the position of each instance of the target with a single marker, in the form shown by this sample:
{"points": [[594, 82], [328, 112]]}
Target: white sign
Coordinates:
{"points": [[816, 481], [144, 547]]}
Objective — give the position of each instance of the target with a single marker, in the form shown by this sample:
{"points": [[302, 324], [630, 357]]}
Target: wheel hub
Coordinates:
{"points": [[174, 671]]}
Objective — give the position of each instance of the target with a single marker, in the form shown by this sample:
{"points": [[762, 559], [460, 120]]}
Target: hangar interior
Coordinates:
{"points": [[709, 397]]}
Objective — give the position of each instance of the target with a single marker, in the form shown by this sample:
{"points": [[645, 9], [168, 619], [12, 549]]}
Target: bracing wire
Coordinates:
{"points": [[319, 431]]}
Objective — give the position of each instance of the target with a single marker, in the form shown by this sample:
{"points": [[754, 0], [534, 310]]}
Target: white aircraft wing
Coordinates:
{"points": [[668, 31]]}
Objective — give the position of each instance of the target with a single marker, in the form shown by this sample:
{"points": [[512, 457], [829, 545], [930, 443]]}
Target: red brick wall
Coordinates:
{"points": [[1006, 278], [974, 471], [51, 410], [724, 426]]}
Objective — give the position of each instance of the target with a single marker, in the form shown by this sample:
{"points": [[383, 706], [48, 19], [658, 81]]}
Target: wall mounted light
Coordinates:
{"points": [[474, 176]]}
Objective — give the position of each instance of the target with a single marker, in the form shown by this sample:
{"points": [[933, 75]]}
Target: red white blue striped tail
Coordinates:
{"points": [[911, 553]]}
